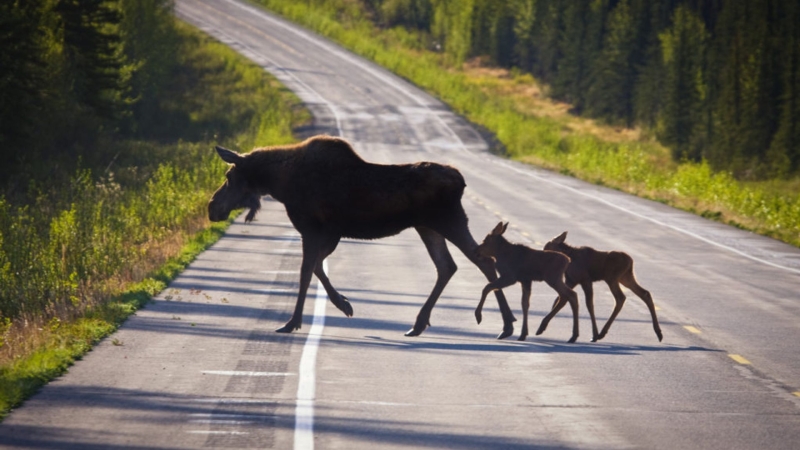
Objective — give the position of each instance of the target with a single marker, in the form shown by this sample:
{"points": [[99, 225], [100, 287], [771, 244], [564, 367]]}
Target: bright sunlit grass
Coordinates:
{"points": [[78, 260]]}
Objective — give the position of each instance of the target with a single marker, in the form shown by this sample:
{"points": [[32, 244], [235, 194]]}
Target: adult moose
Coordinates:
{"points": [[329, 192]]}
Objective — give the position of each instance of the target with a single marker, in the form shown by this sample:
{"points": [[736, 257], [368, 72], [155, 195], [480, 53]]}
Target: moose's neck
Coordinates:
{"points": [[267, 172], [567, 250]]}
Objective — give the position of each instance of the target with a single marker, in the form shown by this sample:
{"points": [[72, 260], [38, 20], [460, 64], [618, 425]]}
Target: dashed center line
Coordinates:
{"points": [[739, 359], [692, 329]]}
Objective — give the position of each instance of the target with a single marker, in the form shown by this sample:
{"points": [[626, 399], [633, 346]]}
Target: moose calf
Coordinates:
{"points": [[588, 265], [518, 263]]}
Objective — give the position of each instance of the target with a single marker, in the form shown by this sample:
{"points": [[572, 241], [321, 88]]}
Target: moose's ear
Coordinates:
{"points": [[505, 227], [498, 230], [229, 156], [560, 238]]}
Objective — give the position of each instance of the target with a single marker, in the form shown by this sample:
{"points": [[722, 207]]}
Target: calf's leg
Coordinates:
{"points": [[629, 281], [588, 292], [500, 283], [565, 295], [619, 301], [526, 303]]}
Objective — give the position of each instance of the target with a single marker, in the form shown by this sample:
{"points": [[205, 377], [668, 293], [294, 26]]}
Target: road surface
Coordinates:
{"points": [[201, 367]]}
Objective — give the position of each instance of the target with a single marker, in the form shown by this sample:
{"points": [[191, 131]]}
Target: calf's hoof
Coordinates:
{"points": [[660, 336], [478, 316], [572, 339], [522, 337]]}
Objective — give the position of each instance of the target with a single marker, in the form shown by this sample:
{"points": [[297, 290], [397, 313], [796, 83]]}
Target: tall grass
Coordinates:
{"points": [[636, 166], [70, 248]]}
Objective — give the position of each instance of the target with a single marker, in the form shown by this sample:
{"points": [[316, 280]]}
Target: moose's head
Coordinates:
{"points": [[492, 241], [236, 192], [557, 243]]}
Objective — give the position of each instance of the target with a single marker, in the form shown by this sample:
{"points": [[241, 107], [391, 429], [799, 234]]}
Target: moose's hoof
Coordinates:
{"points": [[540, 330], [660, 336], [507, 331], [345, 306], [478, 316], [522, 337], [414, 332], [288, 328], [572, 340]]}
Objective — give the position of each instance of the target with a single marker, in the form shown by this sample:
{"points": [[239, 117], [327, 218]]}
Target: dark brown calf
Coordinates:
{"points": [[589, 265], [518, 263]]}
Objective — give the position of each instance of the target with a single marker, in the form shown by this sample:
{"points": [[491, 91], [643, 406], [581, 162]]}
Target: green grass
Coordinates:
{"points": [[78, 257], [533, 134], [68, 341]]}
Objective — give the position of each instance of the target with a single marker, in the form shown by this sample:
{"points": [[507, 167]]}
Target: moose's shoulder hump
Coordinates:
{"points": [[330, 150]]}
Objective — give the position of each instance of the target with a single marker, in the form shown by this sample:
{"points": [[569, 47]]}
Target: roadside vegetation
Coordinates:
{"points": [[108, 167], [654, 121]]}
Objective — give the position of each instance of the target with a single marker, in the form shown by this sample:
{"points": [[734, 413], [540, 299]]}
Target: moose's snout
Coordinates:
{"points": [[214, 215]]}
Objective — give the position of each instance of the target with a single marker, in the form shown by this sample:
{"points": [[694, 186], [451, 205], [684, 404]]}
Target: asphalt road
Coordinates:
{"points": [[202, 367]]}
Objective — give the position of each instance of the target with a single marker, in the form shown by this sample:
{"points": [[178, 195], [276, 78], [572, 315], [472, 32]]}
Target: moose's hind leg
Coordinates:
{"points": [[445, 268], [338, 300]]}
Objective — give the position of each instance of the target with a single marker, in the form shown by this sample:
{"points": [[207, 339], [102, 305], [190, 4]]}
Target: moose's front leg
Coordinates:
{"points": [[310, 260]]}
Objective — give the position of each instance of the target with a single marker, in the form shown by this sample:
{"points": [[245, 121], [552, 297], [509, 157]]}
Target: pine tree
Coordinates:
{"points": [[93, 51], [610, 93], [684, 50]]}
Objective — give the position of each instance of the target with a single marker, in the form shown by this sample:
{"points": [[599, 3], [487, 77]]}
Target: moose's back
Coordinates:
{"points": [[367, 201]]}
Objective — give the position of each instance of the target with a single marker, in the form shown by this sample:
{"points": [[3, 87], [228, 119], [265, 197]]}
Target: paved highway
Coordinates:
{"points": [[202, 367]]}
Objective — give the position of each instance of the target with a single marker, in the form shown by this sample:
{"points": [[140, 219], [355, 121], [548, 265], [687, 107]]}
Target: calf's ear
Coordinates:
{"points": [[498, 230], [561, 238], [229, 156]]}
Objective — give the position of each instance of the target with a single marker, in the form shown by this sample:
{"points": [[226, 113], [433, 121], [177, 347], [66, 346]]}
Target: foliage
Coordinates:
{"points": [[715, 81], [88, 224], [68, 342], [528, 134]]}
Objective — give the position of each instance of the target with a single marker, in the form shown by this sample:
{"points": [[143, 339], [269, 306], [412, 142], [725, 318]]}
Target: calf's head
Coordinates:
{"points": [[491, 243], [236, 192], [557, 243]]}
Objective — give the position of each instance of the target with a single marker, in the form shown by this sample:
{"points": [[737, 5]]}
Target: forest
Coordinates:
{"points": [[109, 113], [714, 80]]}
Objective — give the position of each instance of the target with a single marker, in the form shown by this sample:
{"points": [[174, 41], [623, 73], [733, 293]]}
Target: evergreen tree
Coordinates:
{"points": [[524, 12], [783, 156], [686, 93], [93, 53], [610, 93]]}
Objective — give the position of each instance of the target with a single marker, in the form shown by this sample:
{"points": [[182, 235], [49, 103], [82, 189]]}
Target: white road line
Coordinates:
{"points": [[306, 387], [641, 216]]}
